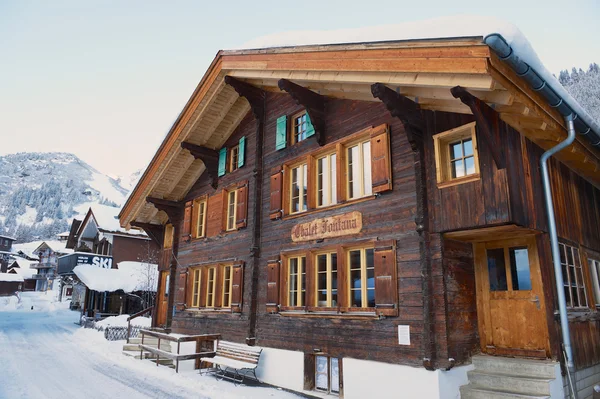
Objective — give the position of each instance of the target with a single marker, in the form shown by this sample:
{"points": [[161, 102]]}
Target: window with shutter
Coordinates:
{"points": [[227, 281], [232, 198], [276, 188], [281, 133], [211, 287], [242, 152], [196, 279], [186, 232], [237, 286], [222, 162], [181, 289], [273, 286], [234, 155], [199, 218], [386, 287], [381, 166], [242, 206]]}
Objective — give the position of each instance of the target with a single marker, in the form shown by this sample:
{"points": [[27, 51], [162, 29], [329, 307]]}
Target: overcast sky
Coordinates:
{"points": [[106, 79]]}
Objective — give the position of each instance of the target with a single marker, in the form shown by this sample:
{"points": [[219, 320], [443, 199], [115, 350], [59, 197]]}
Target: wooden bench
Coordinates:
{"points": [[237, 359]]}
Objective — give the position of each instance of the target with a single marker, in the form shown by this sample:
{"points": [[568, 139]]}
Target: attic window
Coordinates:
{"points": [[299, 127], [456, 157]]}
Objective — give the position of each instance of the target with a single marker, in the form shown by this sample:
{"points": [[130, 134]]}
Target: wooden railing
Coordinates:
{"points": [[133, 316], [199, 339]]}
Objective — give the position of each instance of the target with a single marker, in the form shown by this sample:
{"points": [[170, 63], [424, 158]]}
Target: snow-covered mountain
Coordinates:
{"points": [[41, 192]]}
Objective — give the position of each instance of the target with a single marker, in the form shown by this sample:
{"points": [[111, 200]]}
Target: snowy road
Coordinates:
{"points": [[42, 355]]}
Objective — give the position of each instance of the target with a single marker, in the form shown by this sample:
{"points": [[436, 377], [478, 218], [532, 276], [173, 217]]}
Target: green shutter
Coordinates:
{"points": [[242, 151], [222, 161], [281, 136], [310, 129]]}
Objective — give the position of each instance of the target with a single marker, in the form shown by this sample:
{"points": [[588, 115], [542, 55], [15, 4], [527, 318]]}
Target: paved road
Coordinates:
{"points": [[39, 358]]}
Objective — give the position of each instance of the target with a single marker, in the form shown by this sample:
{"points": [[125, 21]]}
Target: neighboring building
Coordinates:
{"points": [[5, 251], [48, 253], [24, 268], [63, 236], [378, 223], [10, 284]]}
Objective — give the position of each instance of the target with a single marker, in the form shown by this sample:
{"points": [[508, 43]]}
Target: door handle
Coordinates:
{"points": [[536, 301]]}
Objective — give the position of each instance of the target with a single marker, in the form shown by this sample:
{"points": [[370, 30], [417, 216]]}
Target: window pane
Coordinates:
{"points": [[321, 181], [295, 191], [458, 168], [293, 282], [335, 375], [304, 185], [519, 269], [321, 375], [497, 270], [334, 279], [367, 185], [470, 165], [333, 179], [468, 146], [456, 150], [354, 172]]}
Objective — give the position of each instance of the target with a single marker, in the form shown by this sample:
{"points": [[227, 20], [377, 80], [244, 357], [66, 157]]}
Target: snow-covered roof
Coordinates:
{"points": [[133, 276], [24, 270], [63, 234], [8, 237], [30, 248], [106, 217], [435, 28], [10, 277]]}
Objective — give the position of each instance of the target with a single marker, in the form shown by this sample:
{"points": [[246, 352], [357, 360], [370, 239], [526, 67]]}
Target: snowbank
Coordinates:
{"points": [[129, 277], [33, 301], [436, 28], [121, 321], [10, 277]]}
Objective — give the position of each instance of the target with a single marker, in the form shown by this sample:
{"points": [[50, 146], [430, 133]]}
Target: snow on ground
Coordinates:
{"points": [[32, 301], [121, 321], [45, 355]]}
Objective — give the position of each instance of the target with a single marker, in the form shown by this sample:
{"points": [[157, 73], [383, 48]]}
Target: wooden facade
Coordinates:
{"points": [[421, 242]]}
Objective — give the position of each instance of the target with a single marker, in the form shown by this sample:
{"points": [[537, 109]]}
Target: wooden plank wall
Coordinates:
{"points": [[370, 339], [224, 247]]}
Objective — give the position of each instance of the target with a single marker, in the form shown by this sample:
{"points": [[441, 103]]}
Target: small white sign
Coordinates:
{"points": [[404, 335]]}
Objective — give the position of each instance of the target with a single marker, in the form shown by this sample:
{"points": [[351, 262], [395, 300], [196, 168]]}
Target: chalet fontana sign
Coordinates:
{"points": [[334, 226]]}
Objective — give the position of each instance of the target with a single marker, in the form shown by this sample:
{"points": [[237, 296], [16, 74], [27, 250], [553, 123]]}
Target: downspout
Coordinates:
{"points": [[562, 303]]}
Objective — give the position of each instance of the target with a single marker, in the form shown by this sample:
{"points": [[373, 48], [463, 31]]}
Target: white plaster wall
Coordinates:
{"points": [[450, 381], [282, 368], [584, 381], [365, 379], [186, 348]]}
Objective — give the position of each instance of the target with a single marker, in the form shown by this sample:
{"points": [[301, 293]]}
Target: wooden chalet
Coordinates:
{"points": [[373, 216]]}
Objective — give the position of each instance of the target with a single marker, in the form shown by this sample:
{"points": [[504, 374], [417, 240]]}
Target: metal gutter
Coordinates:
{"points": [[584, 125]]}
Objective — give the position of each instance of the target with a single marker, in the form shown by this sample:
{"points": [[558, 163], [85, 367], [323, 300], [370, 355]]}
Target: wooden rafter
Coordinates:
{"points": [[313, 102], [255, 96], [155, 231], [481, 112], [404, 109], [173, 209], [210, 158]]}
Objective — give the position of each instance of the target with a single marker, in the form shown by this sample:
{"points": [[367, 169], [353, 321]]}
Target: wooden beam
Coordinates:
{"points": [[483, 113], [173, 209], [404, 109], [313, 102], [209, 157], [255, 96], [155, 231]]}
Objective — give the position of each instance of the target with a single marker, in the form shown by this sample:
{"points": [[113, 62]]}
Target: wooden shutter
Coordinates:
{"points": [[281, 133], [237, 286], [386, 283], [273, 286], [214, 219], [242, 152], [180, 303], [276, 193], [242, 205], [187, 222], [222, 161], [310, 129], [381, 166]]}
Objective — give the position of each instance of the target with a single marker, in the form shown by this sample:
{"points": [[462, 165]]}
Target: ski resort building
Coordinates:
{"points": [[5, 252], [370, 208]]}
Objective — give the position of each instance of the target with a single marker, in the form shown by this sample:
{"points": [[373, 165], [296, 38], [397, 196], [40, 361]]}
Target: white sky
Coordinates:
{"points": [[105, 80]]}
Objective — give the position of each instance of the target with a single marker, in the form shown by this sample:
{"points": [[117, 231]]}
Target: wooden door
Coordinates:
{"points": [[162, 300], [510, 298]]}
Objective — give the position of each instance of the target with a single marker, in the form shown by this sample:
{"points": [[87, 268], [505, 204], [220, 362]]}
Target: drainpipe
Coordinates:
{"points": [[562, 303]]}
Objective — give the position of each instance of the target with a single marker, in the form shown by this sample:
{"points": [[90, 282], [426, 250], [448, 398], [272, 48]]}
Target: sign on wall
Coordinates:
{"points": [[103, 262], [333, 226]]}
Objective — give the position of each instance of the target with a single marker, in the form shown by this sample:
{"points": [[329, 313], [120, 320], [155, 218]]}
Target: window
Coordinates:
{"points": [[296, 281], [509, 269], [326, 180], [227, 282], [361, 269], [233, 158], [196, 276], [327, 279], [327, 374], [211, 284], [358, 170], [168, 240], [595, 271], [299, 127], [456, 155], [298, 188], [574, 285], [231, 209], [200, 210]]}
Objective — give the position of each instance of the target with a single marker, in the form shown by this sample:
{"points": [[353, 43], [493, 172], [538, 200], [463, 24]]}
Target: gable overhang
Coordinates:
{"points": [[422, 70]]}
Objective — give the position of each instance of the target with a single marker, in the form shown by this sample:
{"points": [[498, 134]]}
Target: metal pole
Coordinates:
{"points": [[562, 303]]}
